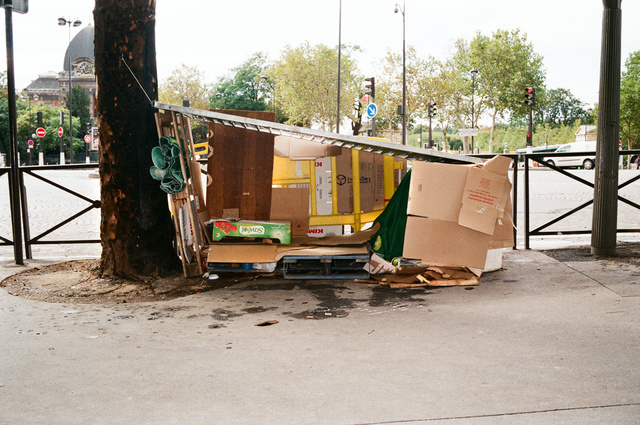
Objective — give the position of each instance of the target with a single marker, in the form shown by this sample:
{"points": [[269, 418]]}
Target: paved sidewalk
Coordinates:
{"points": [[540, 342]]}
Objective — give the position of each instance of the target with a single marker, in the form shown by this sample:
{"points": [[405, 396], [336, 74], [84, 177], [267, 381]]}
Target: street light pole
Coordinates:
{"points": [[473, 92], [76, 23], [404, 74], [339, 59]]}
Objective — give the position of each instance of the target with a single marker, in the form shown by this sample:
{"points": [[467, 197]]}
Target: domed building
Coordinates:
{"points": [[52, 87]]}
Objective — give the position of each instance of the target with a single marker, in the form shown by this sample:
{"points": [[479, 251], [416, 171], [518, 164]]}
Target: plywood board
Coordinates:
{"points": [[241, 168]]}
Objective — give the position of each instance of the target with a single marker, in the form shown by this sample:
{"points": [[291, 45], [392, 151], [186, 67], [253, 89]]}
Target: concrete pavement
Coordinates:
{"points": [[540, 342]]}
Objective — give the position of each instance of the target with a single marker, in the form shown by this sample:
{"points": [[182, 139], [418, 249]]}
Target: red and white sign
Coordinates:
{"points": [[60, 131], [41, 132], [87, 139], [620, 144], [30, 143]]}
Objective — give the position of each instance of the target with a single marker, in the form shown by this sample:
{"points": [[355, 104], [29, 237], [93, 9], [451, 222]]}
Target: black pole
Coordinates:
{"points": [[70, 102], [14, 185], [404, 79], [605, 198], [530, 138], [430, 141], [339, 59]]}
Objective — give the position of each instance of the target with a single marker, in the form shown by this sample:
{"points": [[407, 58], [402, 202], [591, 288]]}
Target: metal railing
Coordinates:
{"points": [[540, 230], [540, 158], [33, 171]]}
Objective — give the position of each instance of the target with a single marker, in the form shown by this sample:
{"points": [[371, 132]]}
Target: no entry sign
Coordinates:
{"points": [[60, 132], [41, 132]]}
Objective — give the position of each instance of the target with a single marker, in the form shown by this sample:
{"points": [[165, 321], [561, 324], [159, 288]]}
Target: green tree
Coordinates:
{"points": [[422, 88], [244, 90], [4, 116], [630, 101], [559, 106], [185, 83], [305, 84], [80, 104], [506, 64]]}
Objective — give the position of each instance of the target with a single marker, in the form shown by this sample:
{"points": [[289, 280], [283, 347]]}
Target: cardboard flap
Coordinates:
{"points": [[300, 149], [484, 198], [441, 242], [357, 238], [436, 190], [498, 164]]}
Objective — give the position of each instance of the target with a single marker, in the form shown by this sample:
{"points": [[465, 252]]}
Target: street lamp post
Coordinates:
{"points": [[339, 65], [76, 23], [473, 92], [404, 74]]}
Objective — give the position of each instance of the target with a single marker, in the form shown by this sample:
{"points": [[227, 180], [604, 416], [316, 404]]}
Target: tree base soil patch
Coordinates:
{"points": [[80, 282]]}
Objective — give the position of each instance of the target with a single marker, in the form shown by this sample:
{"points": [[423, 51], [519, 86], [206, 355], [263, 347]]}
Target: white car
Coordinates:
{"points": [[585, 159]]}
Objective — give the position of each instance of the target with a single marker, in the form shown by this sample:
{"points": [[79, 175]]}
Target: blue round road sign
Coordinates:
{"points": [[372, 110], [30, 143]]}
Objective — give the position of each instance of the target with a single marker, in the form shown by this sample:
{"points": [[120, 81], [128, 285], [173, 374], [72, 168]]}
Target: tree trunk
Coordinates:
{"points": [[493, 130], [135, 229]]}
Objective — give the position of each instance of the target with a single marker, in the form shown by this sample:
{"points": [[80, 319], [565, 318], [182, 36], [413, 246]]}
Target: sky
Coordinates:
{"points": [[217, 36]]}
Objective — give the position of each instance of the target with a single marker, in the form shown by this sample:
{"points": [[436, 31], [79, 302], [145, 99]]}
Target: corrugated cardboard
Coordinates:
{"points": [[291, 204], [485, 195], [436, 190], [264, 253], [442, 242], [367, 161], [457, 212], [300, 149]]}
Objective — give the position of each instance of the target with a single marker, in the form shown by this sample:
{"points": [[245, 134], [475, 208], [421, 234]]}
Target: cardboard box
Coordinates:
{"points": [[251, 229], [344, 176], [442, 242], [300, 149], [291, 204], [355, 243], [457, 212]]}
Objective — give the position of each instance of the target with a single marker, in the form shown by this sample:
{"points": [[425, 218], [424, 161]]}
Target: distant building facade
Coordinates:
{"points": [[51, 87]]}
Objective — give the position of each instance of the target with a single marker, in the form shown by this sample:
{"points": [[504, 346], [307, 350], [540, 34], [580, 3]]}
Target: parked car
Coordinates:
{"points": [[585, 155]]}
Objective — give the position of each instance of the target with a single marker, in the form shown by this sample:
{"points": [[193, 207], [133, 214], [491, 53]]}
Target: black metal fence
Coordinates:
{"points": [[543, 159], [34, 171]]}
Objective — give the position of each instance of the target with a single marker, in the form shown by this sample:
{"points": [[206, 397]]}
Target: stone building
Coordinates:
{"points": [[51, 87]]}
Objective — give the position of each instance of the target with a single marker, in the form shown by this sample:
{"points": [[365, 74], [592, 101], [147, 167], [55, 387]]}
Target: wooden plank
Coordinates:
{"points": [[241, 168]]}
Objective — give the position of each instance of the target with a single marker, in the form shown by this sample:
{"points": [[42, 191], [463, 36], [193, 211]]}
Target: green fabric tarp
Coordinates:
{"points": [[389, 239]]}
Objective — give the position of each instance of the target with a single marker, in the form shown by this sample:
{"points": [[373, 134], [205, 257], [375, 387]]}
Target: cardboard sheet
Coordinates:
{"points": [[441, 242], [291, 204], [300, 149]]}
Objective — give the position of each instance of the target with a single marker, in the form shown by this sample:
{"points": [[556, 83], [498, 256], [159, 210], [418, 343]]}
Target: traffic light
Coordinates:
{"points": [[530, 96], [529, 140], [432, 109], [87, 127], [39, 119], [371, 87]]}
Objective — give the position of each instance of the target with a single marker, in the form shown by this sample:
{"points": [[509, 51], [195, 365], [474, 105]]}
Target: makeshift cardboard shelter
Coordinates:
{"points": [[470, 210]]}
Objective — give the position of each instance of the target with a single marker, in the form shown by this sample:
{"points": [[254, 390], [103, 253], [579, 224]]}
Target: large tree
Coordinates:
{"points": [[245, 89], [186, 83], [559, 106], [80, 105], [506, 64], [135, 228], [305, 79], [630, 101]]}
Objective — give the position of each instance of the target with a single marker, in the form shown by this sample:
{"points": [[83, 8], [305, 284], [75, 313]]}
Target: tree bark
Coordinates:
{"points": [[135, 229], [493, 130]]}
